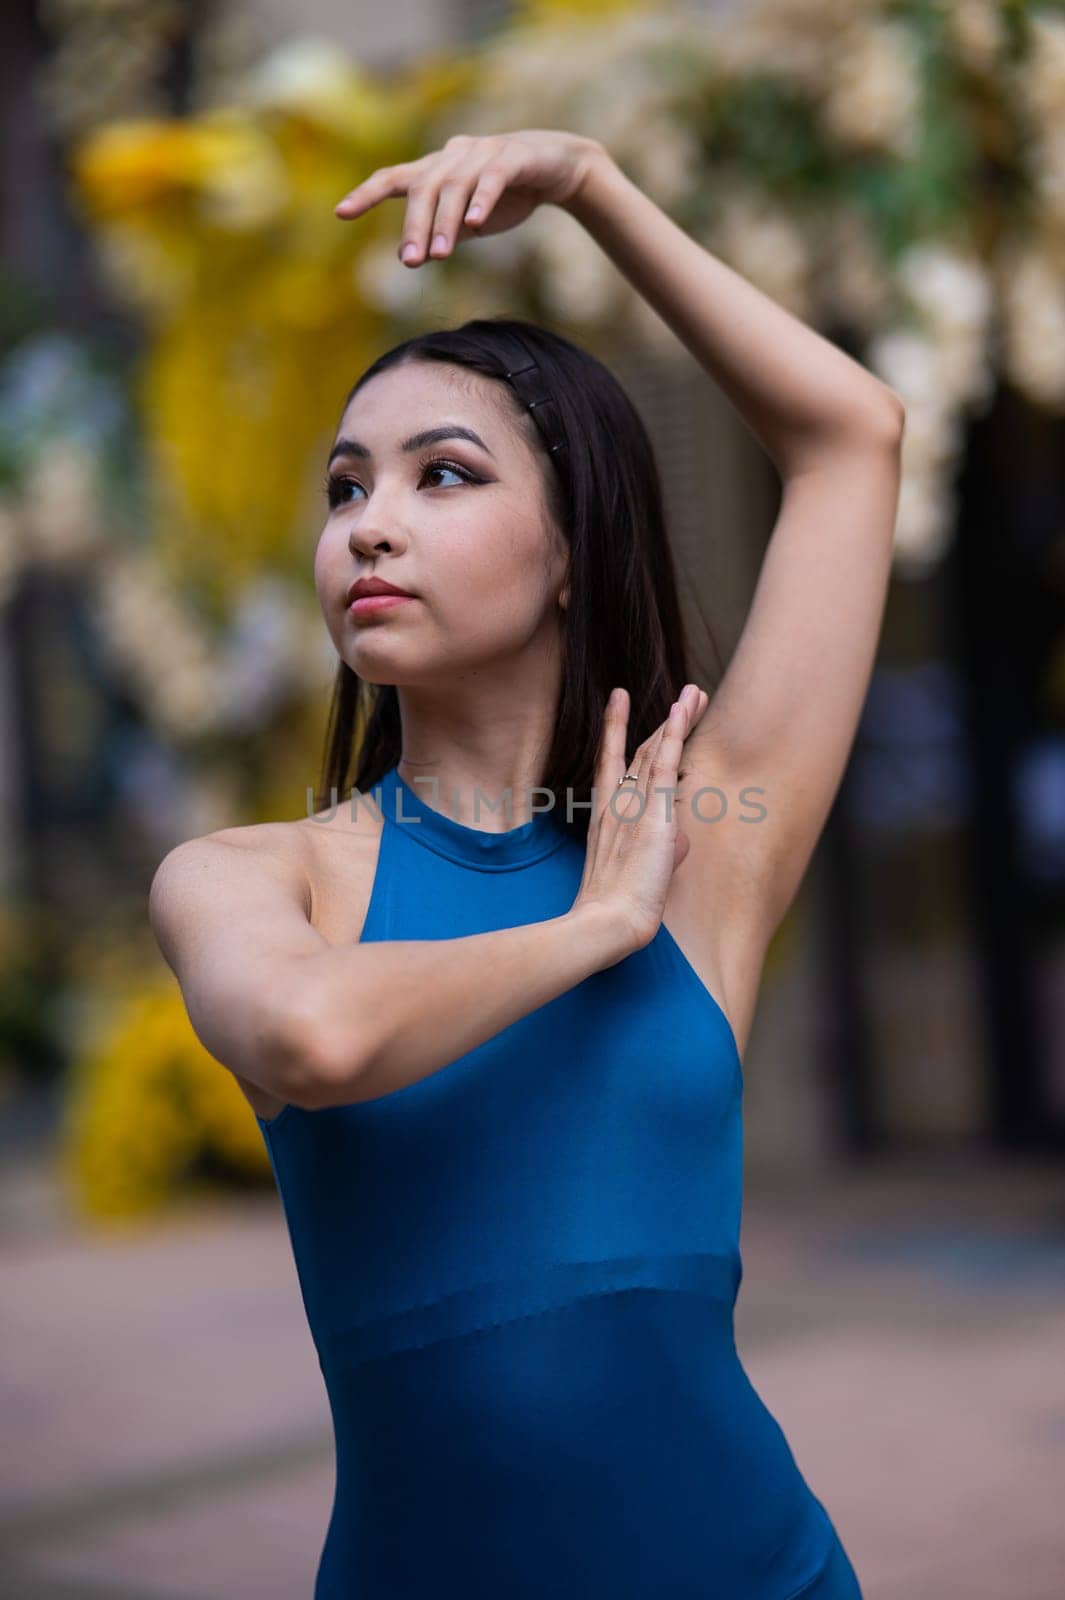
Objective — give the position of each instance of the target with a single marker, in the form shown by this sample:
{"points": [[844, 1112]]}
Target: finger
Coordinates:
{"points": [[624, 802], [632, 801], [663, 761], [610, 762], [421, 206], [490, 184], [689, 702], [700, 700], [450, 205], [694, 700], [385, 184], [646, 753], [663, 752]]}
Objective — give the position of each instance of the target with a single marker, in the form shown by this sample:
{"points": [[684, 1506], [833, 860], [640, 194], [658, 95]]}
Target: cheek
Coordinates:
{"points": [[330, 556], [331, 574], [502, 576]]}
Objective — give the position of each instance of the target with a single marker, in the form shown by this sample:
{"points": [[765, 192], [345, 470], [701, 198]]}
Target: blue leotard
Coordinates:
{"points": [[520, 1273]]}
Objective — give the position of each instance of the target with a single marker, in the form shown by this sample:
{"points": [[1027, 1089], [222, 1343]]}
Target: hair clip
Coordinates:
{"points": [[531, 405]]}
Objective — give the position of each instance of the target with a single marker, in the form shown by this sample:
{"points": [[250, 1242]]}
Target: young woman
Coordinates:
{"points": [[490, 1011]]}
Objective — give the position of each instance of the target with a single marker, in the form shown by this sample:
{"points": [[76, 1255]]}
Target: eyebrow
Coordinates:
{"points": [[447, 430]]}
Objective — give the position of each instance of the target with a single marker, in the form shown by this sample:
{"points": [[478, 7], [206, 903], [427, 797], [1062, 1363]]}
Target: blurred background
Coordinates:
{"points": [[181, 317]]}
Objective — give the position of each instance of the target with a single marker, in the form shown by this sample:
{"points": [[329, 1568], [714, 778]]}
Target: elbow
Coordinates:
{"points": [[889, 423], [872, 426], [316, 1069], [877, 419]]}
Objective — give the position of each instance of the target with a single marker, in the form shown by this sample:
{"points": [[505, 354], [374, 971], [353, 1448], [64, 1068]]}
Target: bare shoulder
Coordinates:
{"points": [[235, 855], [317, 856], [335, 853], [313, 874], [297, 843], [271, 840], [217, 902]]}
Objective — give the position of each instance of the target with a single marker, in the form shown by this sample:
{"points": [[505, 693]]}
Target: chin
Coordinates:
{"points": [[390, 674]]}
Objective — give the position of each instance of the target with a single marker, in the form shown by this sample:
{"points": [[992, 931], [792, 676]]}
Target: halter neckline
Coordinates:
{"points": [[410, 809]]}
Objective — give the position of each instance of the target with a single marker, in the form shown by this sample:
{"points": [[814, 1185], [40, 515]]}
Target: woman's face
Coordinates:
{"points": [[462, 526]]}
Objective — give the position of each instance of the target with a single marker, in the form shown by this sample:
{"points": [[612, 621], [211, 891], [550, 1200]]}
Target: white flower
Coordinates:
{"points": [[950, 288], [247, 189], [759, 241], [158, 642], [141, 267], [527, 65], [871, 99], [667, 160], [924, 524], [301, 74], [978, 31], [578, 279], [182, 701], [920, 371], [385, 283], [1042, 80], [906, 360], [60, 509], [801, 41], [954, 296], [259, 660], [1048, 170]]}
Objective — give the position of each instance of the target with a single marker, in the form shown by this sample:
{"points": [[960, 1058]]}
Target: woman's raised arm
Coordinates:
{"points": [[784, 716]]}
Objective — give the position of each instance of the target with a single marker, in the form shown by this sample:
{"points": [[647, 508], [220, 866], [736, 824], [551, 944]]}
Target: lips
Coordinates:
{"points": [[369, 588]]}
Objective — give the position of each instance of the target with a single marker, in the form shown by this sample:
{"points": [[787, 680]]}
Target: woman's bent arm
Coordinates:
{"points": [[322, 1025], [387, 1014]]}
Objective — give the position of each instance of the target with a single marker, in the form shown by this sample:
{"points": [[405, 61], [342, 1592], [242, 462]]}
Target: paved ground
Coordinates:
{"points": [[166, 1433]]}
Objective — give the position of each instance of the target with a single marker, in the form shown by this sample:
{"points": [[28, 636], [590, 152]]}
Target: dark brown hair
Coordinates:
{"points": [[623, 623]]}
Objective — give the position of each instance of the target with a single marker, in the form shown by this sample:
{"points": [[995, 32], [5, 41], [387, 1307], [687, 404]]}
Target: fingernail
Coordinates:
{"points": [[409, 252], [439, 242], [473, 213]]}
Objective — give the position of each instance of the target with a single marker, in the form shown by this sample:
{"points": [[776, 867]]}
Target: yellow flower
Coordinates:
{"points": [[534, 11], [221, 157], [308, 79], [221, 230], [146, 1102]]}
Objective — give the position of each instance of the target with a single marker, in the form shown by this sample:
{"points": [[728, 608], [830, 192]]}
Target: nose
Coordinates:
{"points": [[365, 541]]}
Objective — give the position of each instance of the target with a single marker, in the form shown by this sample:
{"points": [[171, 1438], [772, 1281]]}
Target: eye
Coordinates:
{"points": [[446, 466], [336, 483]]}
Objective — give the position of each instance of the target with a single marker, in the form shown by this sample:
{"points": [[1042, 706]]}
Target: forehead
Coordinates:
{"points": [[414, 396]]}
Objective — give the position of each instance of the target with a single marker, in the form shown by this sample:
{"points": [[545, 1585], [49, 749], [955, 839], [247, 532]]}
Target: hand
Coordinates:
{"points": [[636, 843], [505, 175]]}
